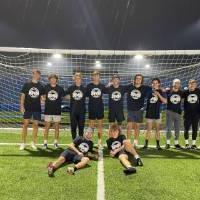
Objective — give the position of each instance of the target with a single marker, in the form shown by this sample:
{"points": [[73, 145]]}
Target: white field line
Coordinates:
{"points": [[100, 177]]}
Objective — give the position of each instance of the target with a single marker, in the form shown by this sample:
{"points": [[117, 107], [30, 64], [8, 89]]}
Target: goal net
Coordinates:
{"points": [[16, 65]]}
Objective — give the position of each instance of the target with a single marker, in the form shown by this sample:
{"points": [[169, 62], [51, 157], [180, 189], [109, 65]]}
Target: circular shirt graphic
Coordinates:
{"points": [[34, 92]]}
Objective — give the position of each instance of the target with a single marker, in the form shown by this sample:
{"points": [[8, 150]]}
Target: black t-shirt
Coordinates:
{"points": [[136, 96], [33, 93], [115, 97], [191, 101], [83, 145], [174, 101], [53, 99], [95, 92], [77, 98], [153, 105], [115, 143]]}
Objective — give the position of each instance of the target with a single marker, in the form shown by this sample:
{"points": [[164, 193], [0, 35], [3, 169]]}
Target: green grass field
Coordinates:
{"points": [[167, 174]]}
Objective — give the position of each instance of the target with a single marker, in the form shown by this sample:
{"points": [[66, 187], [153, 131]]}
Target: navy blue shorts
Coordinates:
{"points": [[32, 115], [95, 114], [71, 156], [135, 116], [116, 115]]}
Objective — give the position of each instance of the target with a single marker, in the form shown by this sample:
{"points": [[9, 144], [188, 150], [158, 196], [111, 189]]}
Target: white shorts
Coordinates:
{"points": [[52, 118], [157, 121]]}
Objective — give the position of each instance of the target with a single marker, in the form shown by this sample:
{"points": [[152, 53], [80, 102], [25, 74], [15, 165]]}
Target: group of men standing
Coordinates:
{"points": [[34, 92]]}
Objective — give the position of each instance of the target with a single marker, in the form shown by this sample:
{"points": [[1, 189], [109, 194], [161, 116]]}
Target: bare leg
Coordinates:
{"points": [[100, 131], [136, 133], [24, 130], [58, 162], [35, 131], [46, 130], [129, 148], [57, 127], [129, 129], [124, 160], [83, 163]]}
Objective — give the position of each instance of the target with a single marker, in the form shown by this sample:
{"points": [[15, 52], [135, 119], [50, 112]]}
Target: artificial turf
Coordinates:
{"points": [[167, 174]]}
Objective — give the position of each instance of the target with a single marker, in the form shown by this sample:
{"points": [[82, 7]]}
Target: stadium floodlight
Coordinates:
{"points": [[147, 66], [49, 64], [57, 55], [97, 64], [138, 57]]}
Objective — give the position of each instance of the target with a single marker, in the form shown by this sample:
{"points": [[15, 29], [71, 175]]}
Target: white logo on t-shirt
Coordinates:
{"points": [[116, 96], [77, 95], [175, 98], [116, 145], [96, 92], [135, 94], [34, 92], [83, 147], [154, 99], [52, 95], [192, 98]]}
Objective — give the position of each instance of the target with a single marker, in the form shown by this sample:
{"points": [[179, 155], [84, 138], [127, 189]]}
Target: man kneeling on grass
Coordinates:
{"points": [[122, 148], [79, 152]]}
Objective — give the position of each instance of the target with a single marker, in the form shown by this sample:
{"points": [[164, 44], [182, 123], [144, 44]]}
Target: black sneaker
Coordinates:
{"points": [[187, 146], [167, 146], [51, 169], [194, 147], [45, 146], [178, 146], [145, 147], [130, 170], [55, 145], [139, 162], [158, 147]]}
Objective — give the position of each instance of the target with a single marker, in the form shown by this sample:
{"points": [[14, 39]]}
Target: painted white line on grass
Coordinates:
{"points": [[100, 177], [16, 144]]}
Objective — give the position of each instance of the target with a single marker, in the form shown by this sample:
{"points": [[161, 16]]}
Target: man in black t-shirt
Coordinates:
{"points": [[154, 101], [121, 148], [136, 95], [53, 99], [115, 102], [191, 112], [77, 152], [95, 105], [77, 93], [173, 113], [30, 106]]}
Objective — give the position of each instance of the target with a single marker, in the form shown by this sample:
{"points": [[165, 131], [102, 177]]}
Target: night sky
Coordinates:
{"points": [[100, 24]]}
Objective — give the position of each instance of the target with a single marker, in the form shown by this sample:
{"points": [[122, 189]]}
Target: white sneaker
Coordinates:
{"points": [[22, 147], [33, 146]]}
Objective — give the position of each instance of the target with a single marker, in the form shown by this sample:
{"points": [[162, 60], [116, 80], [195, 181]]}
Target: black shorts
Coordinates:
{"points": [[116, 115], [95, 114], [34, 115], [71, 156], [131, 158]]}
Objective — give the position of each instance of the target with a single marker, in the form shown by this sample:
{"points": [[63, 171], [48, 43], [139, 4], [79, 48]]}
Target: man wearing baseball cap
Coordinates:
{"points": [[173, 115]]}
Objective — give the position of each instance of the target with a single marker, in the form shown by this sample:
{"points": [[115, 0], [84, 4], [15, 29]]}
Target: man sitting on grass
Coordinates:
{"points": [[122, 148], [79, 152]]}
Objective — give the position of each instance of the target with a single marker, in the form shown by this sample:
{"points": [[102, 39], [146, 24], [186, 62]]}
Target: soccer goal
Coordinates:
{"points": [[16, 65]]}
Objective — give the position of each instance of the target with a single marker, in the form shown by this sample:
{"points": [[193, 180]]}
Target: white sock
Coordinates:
{"points": [[55, 141], [168, 141], [135, 142], [186, 142], [45, 141], [175, 142], [137, 156], [193, 142]]}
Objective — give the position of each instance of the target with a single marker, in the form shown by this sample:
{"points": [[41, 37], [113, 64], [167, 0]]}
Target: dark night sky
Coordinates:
{"points": [[100, 24]]}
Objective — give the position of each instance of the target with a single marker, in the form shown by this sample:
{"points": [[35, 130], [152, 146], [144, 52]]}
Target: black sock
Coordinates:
{"points": [[146, 142], [75, 168], [158, 142]]}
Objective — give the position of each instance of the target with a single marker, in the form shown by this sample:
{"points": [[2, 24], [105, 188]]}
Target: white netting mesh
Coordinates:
{"points": [[16, 66]]}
